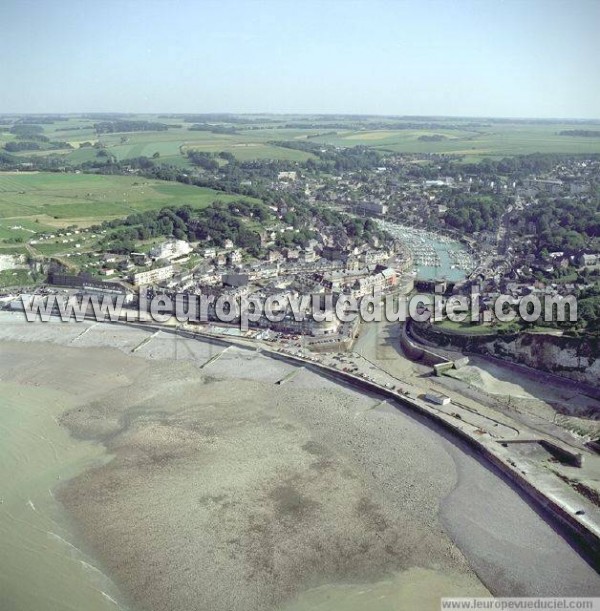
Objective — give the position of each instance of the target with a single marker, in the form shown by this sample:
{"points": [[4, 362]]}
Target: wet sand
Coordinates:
{"points": [[228, 491], [42, 565]]}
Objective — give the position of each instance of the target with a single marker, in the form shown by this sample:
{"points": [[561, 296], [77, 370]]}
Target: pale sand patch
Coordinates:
{"points": [[480, 378], [273, 489], [415, 588]]}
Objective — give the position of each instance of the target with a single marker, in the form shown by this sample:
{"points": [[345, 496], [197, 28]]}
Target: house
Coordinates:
{"points": [[308, 256], [389, 277], [542, 266], [354, 263], [292, 254], [140, 258], [234, 257], [587, 260], [368, 285], [183, 280]]}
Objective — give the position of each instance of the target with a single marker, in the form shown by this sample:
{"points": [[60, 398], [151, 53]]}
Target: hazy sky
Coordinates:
{"points": [[518, 58]]}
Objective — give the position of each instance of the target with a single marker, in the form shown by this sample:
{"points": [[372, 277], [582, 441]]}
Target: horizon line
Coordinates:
{"points": [[302, 114]]}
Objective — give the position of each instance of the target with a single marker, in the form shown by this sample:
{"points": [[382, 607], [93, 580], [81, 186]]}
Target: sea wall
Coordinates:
{"points": [[418, 352], [586, 537], [577, 358]]}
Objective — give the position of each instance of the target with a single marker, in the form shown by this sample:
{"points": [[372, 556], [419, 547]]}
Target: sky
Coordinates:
{"points": [[490, 58]]}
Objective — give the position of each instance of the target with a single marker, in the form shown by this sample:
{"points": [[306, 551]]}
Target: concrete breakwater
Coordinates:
{"points": [[582, 531], [576, 358], [420, 352]]}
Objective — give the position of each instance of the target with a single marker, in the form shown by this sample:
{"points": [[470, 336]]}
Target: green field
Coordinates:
{"points": [[15, 277], [64, 199], [37, 202], [494, 141], [472, 139], [171, 145]]}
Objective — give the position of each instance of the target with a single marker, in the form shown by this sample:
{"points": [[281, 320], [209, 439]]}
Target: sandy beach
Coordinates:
{"points": [[226, 490]]}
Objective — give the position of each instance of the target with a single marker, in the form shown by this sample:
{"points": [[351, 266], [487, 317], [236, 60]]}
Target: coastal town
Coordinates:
{"points": [[299, 305], [369, 231], [348, 223]]}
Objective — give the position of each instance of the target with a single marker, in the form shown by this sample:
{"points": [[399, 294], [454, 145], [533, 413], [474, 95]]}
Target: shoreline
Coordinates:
{"points": [[582, 528], [225, 364], [42, 557]]}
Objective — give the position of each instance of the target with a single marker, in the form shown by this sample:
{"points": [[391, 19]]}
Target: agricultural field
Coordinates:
{"points": [[253, 137], [40, 202], [501, 140], [171, 145]]}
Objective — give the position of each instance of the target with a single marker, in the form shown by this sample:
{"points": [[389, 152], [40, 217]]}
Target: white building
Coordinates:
{"points": [[153, 276], [171, 249], [235, 257], [308, 256]]}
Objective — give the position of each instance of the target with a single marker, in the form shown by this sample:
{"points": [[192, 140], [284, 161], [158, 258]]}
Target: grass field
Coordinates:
{"points": [[473, 139], [37, 202], [172, 144], [63, 199], [15, 277], [467, 328], [495, 141]]}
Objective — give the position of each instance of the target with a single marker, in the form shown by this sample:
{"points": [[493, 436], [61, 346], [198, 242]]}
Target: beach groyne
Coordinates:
{"points": [[579, 528]]}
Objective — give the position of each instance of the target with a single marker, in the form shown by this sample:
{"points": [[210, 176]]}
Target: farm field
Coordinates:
{"points": [[36, 202], [472, 139], [171, 145], [494, 141]]}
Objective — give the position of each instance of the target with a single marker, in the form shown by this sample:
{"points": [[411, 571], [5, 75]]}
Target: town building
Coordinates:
{"points": [[171, 249], [153, 276], [234, 257]]}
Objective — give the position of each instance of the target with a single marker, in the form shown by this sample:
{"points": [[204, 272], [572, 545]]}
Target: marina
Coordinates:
{"points": [[435, 256]]}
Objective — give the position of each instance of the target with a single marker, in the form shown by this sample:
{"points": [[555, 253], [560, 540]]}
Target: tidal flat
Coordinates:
{"points": [[210, 486]]}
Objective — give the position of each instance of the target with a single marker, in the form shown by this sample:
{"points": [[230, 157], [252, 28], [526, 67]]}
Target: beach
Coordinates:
{"points": [[209, 485]]}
